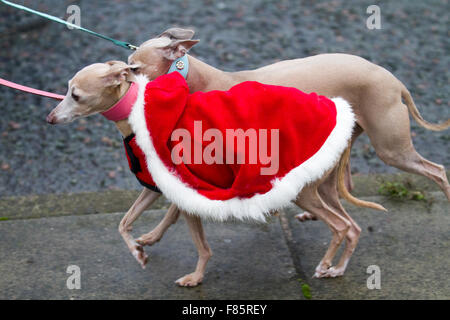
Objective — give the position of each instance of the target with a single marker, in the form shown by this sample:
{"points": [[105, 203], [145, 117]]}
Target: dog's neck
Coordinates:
{"points": [[201, 77], [122, 125]]}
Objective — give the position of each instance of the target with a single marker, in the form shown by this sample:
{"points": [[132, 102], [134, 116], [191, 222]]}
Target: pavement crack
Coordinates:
{"points": [[291, 244]]}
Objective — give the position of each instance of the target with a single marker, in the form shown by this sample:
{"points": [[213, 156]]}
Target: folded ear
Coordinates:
{"points": [[178, 48], [178, 33], [118, 72]]}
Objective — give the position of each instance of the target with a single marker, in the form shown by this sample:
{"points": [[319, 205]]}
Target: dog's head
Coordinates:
{"points": [[92, 90], [154, 57]]}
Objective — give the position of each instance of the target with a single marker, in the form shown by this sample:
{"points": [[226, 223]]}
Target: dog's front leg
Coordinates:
{"points": [[145, 199], [156, 234], [204, 252]]}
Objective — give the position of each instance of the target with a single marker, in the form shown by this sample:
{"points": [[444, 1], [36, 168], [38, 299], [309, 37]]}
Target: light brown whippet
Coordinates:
{"points": [[374, 93], [97, 87]]}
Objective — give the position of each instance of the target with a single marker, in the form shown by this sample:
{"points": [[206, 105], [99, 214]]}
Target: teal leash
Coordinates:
{"points": [[122, 44]]}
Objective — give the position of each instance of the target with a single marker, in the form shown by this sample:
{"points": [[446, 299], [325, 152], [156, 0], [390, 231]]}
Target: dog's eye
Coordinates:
{"points": [[135, 69], [75, 97]]}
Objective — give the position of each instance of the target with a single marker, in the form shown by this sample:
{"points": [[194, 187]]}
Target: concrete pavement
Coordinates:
{"points": [[410, 244], [250, 261]]}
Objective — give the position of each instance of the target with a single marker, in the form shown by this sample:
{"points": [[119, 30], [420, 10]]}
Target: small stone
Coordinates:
{"points": [[14, 125], [221, 5], [107, 141], [422, 86]]}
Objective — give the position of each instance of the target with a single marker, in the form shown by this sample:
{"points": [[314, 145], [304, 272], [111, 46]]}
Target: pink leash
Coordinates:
{"points": [[31, 90], [121, 110]]}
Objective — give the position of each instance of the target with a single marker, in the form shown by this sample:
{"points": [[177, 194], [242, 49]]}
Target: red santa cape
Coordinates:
{"points": [[313, 131]]}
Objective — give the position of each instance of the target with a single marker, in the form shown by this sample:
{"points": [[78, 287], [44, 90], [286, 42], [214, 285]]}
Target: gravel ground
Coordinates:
{"points": [[87, 155]]}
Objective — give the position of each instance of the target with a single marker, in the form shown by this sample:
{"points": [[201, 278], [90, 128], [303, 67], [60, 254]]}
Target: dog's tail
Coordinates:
{"points": [[343, 189], [406, 96]]}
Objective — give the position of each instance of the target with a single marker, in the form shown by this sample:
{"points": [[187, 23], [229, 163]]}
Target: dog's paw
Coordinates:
{"points": [[334, 272], [305, 216], [319, 274], [139, 255], [190, 280], [331, 272], [149, 239], [321, 269]]}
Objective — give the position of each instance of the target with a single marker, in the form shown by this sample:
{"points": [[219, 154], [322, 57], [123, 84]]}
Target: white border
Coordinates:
{"points": [[284, 190]]}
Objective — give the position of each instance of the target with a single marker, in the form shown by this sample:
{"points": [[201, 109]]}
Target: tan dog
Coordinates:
{"points": [[96, 88], [374, 93]]}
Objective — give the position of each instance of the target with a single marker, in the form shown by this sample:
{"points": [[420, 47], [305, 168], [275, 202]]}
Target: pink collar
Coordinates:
{"points": [[122, 109]]}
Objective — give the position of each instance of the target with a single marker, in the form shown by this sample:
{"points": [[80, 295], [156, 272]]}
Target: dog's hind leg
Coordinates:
{"points": [[413, 162], [309, 199], [329, 194], [156, 234], [331, 198], [145, 199], [328, 188], [392, 143], [204, 251]]}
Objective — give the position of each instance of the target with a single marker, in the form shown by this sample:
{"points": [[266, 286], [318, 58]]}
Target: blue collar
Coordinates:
{"points": [[181, 65]]}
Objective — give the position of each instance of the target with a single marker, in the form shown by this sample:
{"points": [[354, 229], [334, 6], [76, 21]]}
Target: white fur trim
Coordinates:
{"points": [[284, 190]]}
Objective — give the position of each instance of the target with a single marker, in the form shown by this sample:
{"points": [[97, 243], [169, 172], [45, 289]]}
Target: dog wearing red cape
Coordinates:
{"points": [[381, 102], [312, 133]]}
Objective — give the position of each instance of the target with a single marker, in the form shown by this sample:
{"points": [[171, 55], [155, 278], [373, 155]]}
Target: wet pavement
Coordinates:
{"points": [[410, 244]]}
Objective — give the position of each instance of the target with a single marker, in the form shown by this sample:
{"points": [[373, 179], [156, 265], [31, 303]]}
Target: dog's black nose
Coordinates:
{"points": [[51, 119]]}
